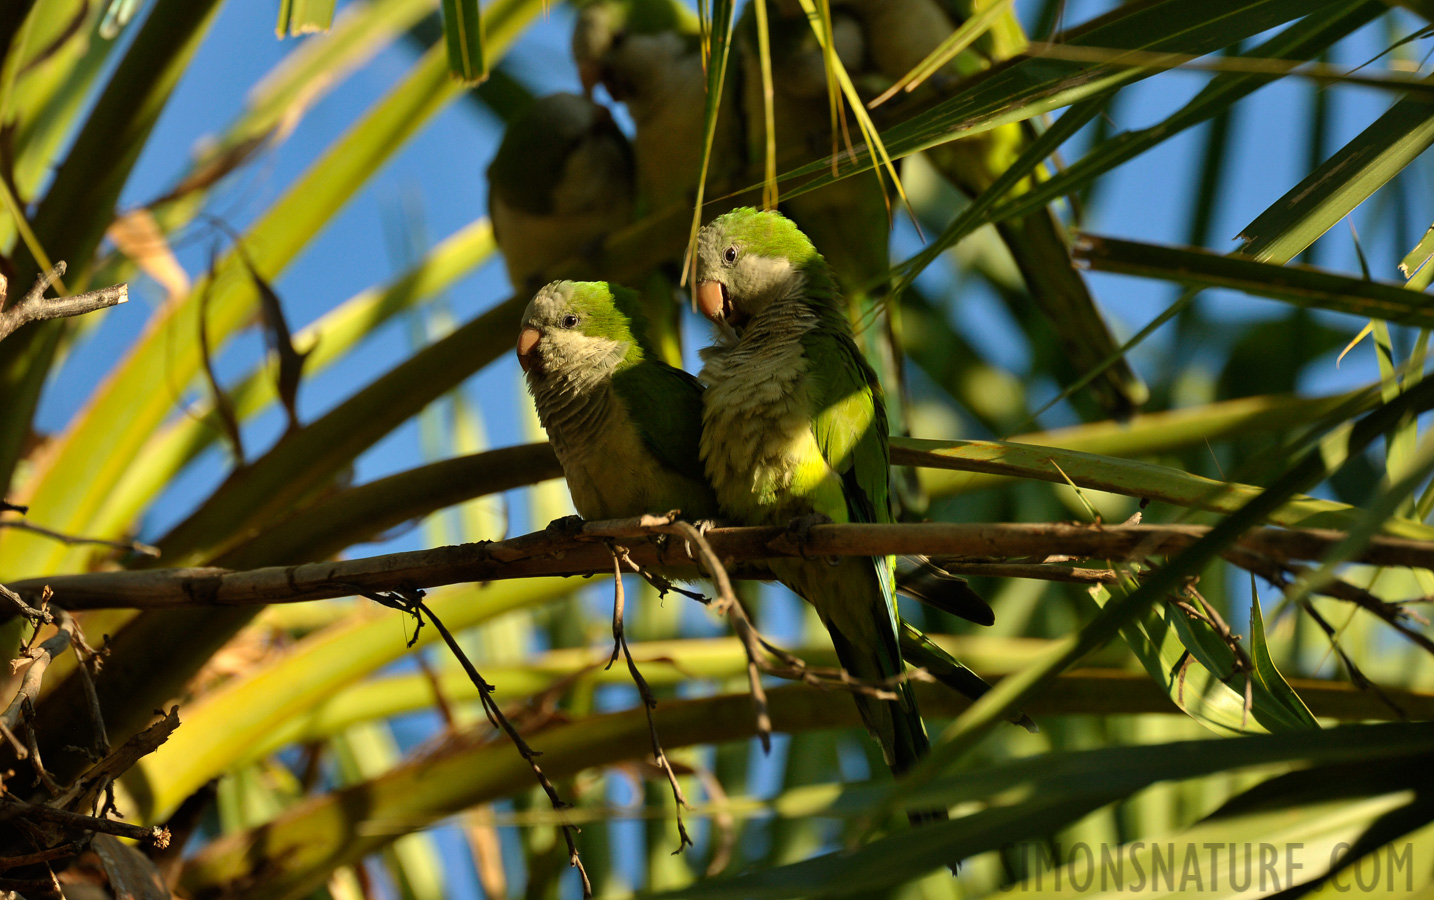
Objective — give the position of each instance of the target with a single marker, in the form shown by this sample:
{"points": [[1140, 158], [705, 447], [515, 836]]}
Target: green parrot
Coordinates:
{"points": [[621, 424], [562, 180], [627, 430], [794, 427]]}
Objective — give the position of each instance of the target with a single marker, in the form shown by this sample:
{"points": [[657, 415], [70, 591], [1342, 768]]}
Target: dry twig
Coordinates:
{"points": [[152, 836], [34, 307], [1356, 676], [649, 700], [727, 602], [410, 601]]}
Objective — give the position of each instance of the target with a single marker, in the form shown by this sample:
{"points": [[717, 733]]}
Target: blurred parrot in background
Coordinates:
{"points": [[648, 55], [562, 180], [627, 430], [900, 34], [793, 428]]}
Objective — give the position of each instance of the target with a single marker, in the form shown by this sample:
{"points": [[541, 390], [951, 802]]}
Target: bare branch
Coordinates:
{"points": [[39, 660], [28, 859], [34, 307], [583, 553], [1394, 614], [36, 616], [729, 604]]}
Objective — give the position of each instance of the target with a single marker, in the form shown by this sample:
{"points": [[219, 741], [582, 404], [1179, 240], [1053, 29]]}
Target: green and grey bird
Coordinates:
{"points": [[793, 426], [624, 426], [627, 430], [562, 180]]}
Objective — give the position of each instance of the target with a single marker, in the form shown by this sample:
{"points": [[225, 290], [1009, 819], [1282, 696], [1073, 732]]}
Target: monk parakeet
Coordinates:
{"points": [[623, 426], [627, 431], [794, 426], [561, 181]]}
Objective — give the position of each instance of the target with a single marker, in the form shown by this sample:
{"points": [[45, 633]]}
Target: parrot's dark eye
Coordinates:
{"points": [[730, 255], [570, 321]]}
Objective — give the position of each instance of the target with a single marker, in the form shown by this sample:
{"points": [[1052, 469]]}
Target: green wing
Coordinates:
{"points": [[849, 422], [666, 405]]}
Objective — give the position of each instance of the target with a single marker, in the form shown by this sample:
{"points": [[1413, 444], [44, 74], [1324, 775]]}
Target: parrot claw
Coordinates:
{"points": [[799, 530], [567, 526]]}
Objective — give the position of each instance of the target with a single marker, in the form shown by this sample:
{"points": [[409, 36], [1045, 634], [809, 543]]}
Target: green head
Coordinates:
{"points": [[579, 332], [622, 44], [748, 258]]}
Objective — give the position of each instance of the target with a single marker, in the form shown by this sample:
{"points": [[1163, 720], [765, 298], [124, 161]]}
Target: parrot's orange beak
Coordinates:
{"points": [[712, 300], [527, 339]]}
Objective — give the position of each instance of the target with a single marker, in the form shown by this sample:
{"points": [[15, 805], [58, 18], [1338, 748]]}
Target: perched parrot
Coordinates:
{"points": [[627, 431], [561, 181], [623, 426], [793, 427]]}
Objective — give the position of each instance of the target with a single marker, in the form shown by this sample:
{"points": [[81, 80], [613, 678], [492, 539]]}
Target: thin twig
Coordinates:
{"points": [[17, 746], [1278, 573], [72, 540], [32, 744], [411, 601], [36, 616], [219, 399], [34, 306], [649, 700], [440, 697], [1356, 676], [39, 660], [89, 666]]}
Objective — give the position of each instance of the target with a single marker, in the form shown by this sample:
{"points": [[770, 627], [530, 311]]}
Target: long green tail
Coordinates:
{"points": [[855, 602]]}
